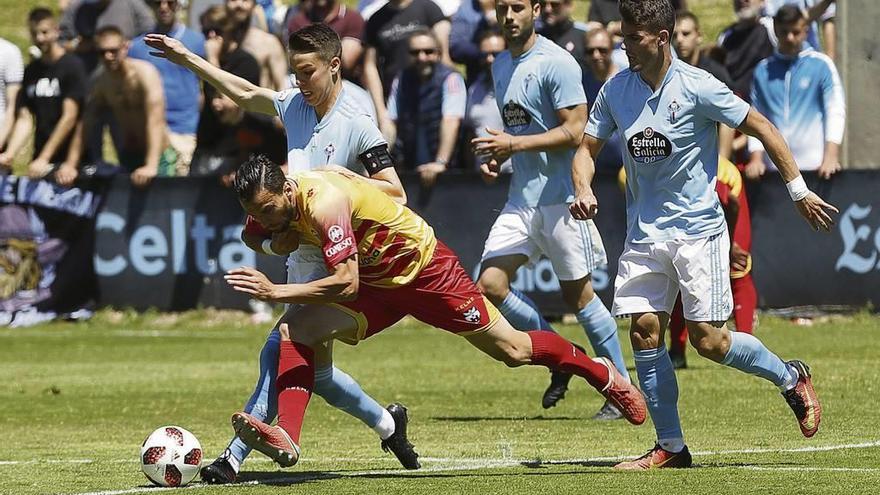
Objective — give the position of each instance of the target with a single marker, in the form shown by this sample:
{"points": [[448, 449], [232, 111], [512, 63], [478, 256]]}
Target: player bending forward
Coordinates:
{"points": [[384, 263]]}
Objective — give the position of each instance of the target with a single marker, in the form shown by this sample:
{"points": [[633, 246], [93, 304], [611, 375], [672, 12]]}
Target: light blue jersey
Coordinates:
{"points": [[529, 90], [345, 132], [803, 96], [671, 149]]}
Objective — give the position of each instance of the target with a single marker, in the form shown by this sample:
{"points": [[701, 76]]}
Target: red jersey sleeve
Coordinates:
{"points": [[253, 227], [333, 224], [723, 191]]}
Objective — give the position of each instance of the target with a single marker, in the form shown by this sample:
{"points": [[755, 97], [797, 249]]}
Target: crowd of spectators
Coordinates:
{"points": [[422, 65]]}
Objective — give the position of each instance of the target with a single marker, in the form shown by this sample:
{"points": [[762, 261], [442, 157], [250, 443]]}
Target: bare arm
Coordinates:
{"points": [[441, 31], [373, 82], [389, 183], [352, 49], [811, 206], [829, 37], [816, 11], [9, 117], [157, 127], [583, 167], [499, 145], [245, 94], [725, 141], [341, 285], [21, 130], [65, 125], [448, 133], [277, 61]]}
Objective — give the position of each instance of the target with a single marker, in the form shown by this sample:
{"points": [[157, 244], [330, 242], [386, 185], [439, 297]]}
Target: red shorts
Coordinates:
{"points": [[443, 295]]}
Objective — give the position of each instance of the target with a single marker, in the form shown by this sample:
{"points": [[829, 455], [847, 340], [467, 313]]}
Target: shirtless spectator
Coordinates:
{"points": [[264, 47], [132, 90]]}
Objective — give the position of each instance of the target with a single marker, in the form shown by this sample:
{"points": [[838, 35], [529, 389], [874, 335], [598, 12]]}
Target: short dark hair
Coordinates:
{"points": [[39, 14], [788, 14], [687, 14], [256, 174], [652, 15], [109, 29], [488, 32], [316, 38], [423, 31]]}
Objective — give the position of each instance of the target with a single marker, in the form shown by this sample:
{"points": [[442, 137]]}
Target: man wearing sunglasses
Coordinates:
{"points": [[426, 104], [182, 88]]}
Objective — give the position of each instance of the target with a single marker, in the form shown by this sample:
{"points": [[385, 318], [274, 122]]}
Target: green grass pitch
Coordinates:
{"points": [[77, 400]]}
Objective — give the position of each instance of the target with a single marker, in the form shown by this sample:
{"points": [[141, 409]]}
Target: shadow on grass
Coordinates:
{"points": [[471, 419]]}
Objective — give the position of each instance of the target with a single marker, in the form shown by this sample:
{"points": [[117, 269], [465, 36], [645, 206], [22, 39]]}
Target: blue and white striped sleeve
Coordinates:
{"points": [[833, 102]]}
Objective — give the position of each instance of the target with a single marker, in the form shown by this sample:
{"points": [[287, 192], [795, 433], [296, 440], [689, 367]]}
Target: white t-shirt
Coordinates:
{"points": [[11, 72]]}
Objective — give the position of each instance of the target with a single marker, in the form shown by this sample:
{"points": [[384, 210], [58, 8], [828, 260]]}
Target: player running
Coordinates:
{"points": [[325, 124], [542, 102], [384, 263], [666, 111]]}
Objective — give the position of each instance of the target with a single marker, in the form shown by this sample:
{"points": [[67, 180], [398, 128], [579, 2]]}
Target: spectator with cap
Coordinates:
{"points": [[426, 105], [181, 87]]}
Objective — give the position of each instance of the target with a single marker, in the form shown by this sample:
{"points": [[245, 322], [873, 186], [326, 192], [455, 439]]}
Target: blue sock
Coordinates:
{"points": [[749, 355], [601, 329], [263, 403], [657, 379], [342, 392], [522, 312]]}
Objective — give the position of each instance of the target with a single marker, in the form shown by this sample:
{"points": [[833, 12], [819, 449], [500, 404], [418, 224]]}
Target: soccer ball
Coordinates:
{"points": [[170, 456]]}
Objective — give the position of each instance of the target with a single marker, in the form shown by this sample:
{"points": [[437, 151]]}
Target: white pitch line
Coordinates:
{"points": [[476, 464]]}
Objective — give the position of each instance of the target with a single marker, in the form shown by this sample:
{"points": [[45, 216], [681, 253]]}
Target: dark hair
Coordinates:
{"points": [[316, 38], [105, 30], [651, 15], [488, 32], [256, 174], [788, 14], [39, 14], [216, 19], [687, 14], [423, 31]]}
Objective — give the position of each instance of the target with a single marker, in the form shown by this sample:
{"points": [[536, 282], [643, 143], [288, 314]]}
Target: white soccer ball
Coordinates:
{"points": [[171, 456]]}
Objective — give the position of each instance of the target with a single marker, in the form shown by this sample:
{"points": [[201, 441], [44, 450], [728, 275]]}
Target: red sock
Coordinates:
{"points": [[745, 300], [678, 334], [558, 354], [296, 380]]}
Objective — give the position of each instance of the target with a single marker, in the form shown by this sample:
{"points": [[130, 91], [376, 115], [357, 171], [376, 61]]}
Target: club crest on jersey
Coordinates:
{"points": [[649, 146], [673, 109], [335, 233], [328, 151], [515, 117], [472, 315]]}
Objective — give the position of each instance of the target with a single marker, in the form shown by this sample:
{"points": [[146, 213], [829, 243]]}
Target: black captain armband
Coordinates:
{"points": [[376, 159]]}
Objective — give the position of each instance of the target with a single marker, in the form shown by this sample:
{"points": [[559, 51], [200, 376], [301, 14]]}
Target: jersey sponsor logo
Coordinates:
{"points": [[338, 247], [335, 233], [472, 315], [649, 146], [329, 150], [673, 109], [515, 117]]}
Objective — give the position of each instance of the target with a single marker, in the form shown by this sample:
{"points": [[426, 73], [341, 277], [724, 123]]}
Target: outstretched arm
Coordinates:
{"points": [[813, 208], [247, 95]]}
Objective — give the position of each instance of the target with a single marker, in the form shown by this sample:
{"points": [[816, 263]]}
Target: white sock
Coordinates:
{"points": [[674, 445], [385, 426], [791, 380], [232, 460]]}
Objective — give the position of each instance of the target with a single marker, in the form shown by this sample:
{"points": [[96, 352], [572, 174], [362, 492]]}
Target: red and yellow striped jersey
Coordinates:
{"points": [[344, 215]]}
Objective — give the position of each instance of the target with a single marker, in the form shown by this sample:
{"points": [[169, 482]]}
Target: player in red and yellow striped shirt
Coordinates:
{"points": [[384, 263]]}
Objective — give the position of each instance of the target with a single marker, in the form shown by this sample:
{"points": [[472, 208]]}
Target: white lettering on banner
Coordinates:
{"points": [[852, 235], [149, 250], [540, 277]]}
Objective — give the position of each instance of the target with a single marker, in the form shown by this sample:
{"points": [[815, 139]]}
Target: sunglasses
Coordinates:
{"points": [[427, 51], [104, 51], [158, 3], [603, 51]]}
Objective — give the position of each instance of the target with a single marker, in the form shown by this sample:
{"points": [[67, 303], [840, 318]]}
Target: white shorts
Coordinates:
{"points": [[650, 276], [574, 247]]}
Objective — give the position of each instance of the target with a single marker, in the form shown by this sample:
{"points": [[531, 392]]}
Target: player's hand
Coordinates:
{"points": [[490, 170], [166, 47], [213, 48], [39, 168], [755, 169], [828, 168], [66, 174], [739, 258], [251, 281], [142, 176], [285, 242], [585, 205], [498, 145], [815, 210], [429, 172]]}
